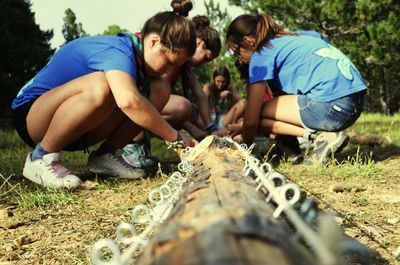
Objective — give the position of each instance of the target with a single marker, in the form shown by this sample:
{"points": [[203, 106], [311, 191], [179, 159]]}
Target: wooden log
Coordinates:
{"points": [[221, 219]]}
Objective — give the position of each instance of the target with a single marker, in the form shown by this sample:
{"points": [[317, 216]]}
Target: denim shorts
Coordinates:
{"points": [[332, 116]]}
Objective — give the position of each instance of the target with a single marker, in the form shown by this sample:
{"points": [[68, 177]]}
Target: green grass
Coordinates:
{"points": [[383, 125], [356, 160]]}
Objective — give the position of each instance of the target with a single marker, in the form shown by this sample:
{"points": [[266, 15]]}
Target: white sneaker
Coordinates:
{"points": [[114, 165], [49, 172], [328, 143]]}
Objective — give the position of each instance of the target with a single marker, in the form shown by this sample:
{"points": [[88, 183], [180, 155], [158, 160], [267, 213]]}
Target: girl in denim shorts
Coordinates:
{"points": [[323, 90]]}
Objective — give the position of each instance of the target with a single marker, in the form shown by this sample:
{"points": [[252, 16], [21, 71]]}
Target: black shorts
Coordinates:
{"points": [[19, 122]]}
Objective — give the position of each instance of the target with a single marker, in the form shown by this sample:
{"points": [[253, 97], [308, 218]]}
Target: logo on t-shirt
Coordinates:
{"points": [[343, 62]]}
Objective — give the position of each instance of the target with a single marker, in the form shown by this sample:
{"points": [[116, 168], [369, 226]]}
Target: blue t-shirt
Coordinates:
{"points": [[311, 33], [306, 65], [78, 58]]}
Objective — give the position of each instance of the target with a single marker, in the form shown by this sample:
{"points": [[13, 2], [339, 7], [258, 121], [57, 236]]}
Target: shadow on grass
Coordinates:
{"points": [[373, 152], [166, 167]]}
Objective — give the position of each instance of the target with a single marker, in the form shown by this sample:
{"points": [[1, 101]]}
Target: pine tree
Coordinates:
{"points": [[72, 29], [24, 49], [368, 31]]}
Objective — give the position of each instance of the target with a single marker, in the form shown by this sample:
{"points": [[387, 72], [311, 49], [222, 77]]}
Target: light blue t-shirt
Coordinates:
{"points": [[78, 58], [306, 65]]}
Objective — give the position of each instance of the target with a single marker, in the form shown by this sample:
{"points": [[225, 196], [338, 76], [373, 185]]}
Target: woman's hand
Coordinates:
{"points": [[222, 132], [225, 94], [235, 129], [188, 141]]}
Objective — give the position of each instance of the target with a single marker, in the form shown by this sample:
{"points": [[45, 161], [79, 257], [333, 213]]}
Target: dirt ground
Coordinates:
{"points": [[368, 210]]}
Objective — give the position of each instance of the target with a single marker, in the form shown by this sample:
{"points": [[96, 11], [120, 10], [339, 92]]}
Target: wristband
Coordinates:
{"points": [[177, 144], [210, 128]]}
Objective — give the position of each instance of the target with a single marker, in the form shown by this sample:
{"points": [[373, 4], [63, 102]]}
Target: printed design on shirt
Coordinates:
{"points": [[343, 62]]}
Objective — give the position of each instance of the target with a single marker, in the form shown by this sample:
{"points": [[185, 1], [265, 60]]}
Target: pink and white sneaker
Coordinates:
{"points": [[49, 172]]}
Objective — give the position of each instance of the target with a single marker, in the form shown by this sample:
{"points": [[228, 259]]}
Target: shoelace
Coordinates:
{"points": [[58, 169], [142, 151]]}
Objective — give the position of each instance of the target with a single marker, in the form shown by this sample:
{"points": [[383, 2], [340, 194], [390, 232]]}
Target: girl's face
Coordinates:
{"points": [[159, 59], [202, 55], [220, 82], [242, 51]]}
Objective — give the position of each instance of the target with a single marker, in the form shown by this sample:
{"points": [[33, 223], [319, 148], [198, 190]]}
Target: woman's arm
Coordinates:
{"points": [[189, 80], [235, 95], [207, 90], [253, 111], [137, 107]]}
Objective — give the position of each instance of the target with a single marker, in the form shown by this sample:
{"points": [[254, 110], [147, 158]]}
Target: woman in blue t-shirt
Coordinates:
{"points": [[95, 89], [323, 92]]}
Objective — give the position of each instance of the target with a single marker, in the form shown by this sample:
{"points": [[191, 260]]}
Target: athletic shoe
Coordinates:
{"points": [[49, 172], [288, 147], [138, 155], [328, 143], [114, 165]]}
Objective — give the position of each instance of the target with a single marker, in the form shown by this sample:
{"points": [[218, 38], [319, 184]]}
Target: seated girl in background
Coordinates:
{"points": [[225, 103], [324, 91], [95, 89]]}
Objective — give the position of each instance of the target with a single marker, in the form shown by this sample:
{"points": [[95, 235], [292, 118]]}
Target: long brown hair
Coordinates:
{"points": [[175, 30], [220, 71], [261, 27]]}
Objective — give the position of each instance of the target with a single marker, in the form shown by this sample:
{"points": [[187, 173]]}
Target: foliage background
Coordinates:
{"points": [[368, 31]]}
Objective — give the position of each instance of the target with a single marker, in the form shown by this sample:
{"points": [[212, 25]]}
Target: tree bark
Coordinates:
{"points": [[222, 219]]}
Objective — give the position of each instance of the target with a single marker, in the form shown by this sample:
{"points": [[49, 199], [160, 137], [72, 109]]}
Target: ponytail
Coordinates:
{"points": [[209, 35], [261, 27], [181, 7]]}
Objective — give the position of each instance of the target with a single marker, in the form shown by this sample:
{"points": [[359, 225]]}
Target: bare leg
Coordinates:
{"points": [[66, 113], [281, 115], [160, 92], [177, 111], [233, 115]]}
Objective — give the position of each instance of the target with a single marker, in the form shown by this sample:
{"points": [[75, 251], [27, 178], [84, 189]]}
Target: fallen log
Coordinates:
{"points": [[221, 219]]}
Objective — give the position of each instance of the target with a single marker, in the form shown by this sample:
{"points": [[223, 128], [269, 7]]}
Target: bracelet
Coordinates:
{"points": [[209, 126], [177, 144]]}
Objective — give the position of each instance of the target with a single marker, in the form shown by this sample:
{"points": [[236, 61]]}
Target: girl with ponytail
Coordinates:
{"points": [[323, 92]]}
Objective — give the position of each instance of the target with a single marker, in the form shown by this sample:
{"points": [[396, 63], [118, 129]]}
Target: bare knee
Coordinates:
{"points": [[177, 110], [98, 94], [183, 109]]}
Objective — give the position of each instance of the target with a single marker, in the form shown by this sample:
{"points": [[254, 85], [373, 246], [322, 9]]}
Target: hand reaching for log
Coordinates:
{"points": [[233, 130], [182, 141], [188, 141]]}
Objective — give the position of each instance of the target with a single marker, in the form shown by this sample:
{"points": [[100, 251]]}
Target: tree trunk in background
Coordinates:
{"points": [[383, 96]]}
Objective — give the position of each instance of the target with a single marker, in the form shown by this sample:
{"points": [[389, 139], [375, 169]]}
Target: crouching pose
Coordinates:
{"points": [[226, 105], [95, 89], [323, 90]]}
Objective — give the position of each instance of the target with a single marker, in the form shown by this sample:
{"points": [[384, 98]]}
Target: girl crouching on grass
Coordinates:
{"points": [[95, 89], [324, 92]]}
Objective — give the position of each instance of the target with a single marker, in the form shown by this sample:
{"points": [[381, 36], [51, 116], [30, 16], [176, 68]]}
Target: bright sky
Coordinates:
{"points": [[97, 15]]}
